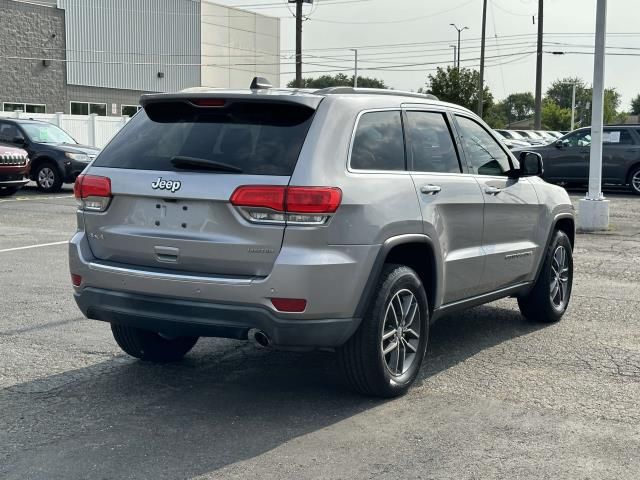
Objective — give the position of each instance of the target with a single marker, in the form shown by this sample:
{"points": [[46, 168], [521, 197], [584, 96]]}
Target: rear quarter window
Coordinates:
{"points": [[259, 139], [378, 143]]}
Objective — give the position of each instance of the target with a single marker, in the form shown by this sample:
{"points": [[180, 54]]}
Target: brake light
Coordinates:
{"points": [[292, 305], [209, 102], [280, 204], [92, 192]]}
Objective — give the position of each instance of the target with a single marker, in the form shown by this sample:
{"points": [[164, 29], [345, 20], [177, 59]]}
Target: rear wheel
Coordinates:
{"points": [[634, 180], [151, 346], [384, 356], [549, 298], [48, 178]]}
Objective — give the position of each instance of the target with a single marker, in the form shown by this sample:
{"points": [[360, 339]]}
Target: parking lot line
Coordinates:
{"points": [[26, 199], [32, 246]]}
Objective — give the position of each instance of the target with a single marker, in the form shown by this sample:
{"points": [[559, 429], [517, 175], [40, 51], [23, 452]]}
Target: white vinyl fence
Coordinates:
{"points": [[86, 129]]}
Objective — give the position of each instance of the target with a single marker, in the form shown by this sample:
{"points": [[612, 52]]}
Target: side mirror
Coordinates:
{"points": [[560, 143], [18, 141], [530, 164]]}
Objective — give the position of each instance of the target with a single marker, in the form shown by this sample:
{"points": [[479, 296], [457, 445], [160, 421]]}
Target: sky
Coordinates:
{"points": [[402, 41]]}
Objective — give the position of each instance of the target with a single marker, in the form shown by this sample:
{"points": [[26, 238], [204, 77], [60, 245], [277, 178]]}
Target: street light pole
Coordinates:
{"points": [[482, 47], [573, 108], [460, 30], [594, 209], [538, 104], [355, 77], [455, 50]]}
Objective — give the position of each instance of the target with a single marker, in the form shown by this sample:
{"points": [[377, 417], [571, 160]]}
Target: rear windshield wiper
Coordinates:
{"points": [[204, 164]]}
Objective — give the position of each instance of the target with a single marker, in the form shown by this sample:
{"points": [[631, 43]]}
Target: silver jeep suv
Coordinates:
{"points": [[342, 219]]}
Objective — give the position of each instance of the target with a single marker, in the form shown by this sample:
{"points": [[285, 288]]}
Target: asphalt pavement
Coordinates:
{"points": [[498, 397]]}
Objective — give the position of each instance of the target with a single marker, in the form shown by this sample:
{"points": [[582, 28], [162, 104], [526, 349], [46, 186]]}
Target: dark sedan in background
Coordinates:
{"points": [[566, 161]]}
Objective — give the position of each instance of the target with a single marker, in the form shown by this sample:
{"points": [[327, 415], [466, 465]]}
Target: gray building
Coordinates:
{"points": [[99, 56]]}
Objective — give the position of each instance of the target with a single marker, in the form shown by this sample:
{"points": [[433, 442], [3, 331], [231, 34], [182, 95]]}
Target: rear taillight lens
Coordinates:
{"points": [[76, 280], [280, 204], [92, 192]]}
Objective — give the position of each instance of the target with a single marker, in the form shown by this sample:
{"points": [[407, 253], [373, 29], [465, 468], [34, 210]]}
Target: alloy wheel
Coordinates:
{"points": [[559, 284], [400, 332], [46, 177]]}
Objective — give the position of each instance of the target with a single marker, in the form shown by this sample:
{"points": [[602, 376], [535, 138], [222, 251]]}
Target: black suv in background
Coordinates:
{"points": [[56, 158], [566, 161]]}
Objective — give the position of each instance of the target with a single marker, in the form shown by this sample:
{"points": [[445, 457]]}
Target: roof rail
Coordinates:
{"points": [[373, 91]]}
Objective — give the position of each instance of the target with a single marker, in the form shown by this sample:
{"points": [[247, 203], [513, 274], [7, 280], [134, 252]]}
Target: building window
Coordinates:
{"points": [[129, 110], [86, 108], [24, 107]]}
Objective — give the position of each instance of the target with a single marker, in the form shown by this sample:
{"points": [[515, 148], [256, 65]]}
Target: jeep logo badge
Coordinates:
{"points": [[171, 185]]}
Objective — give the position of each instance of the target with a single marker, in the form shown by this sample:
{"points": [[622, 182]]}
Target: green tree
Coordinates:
{"points": [[560, 93], [339, 80], [519, 106], [497, 116], [460, 87], [554, 117], [635, 106]]}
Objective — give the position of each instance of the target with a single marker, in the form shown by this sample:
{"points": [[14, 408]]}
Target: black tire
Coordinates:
{"points": [[538, 305], [48, 178], [361, 359], [150, 346], [8, 191], [634, 180]]}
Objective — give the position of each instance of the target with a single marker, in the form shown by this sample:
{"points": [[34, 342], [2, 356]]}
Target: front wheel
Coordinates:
{"points": [[548, 300], [48, 178], [151, 346], [384, 356], [634, 180]]}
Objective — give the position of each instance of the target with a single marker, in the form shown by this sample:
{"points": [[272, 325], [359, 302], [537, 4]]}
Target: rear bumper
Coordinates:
{"points": [[196, 318]]}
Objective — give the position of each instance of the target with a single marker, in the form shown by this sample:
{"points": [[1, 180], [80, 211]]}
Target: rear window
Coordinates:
{"points": [[259, 139]]}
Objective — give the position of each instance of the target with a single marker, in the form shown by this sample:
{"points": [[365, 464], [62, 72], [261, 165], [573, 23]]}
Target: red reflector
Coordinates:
{"points": [[265, 196], [209, 102], [92, 186], [76, 280], [289, 304], [313, 199]]}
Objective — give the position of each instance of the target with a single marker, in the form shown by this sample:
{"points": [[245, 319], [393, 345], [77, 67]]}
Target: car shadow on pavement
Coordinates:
{"points": [[225, 403]]}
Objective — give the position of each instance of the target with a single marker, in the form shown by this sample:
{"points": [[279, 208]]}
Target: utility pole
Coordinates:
{"points": [[455, 49], [538, 106], [355, 77], [299, 43], [482, 47], [460, 30]]}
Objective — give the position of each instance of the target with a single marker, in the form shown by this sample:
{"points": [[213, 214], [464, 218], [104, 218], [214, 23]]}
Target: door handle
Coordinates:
{"points": [[492, 190], [430, 189]]}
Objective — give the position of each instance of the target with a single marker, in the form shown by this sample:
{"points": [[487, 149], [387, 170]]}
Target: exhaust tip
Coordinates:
{"points": [[260, 338]]}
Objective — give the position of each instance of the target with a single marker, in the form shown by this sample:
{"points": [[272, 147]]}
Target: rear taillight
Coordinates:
{"points": [[92, 192], [76, 280], [280, 204]]}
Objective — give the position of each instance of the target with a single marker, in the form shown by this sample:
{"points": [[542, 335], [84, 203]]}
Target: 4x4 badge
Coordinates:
{"points": [[172, 185]]}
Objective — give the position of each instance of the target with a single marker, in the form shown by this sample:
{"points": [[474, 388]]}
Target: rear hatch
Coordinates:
{"points": [[172, 171]]}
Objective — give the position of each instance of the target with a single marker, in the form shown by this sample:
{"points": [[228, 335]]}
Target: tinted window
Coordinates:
{"points": [[484, 154], [9, 132], [379, 143], [432, 148], [581, 138], [260, 139]]}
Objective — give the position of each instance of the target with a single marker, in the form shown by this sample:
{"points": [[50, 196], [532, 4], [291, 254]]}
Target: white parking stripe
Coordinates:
{"points": [[32, 246], [35, 197]]}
